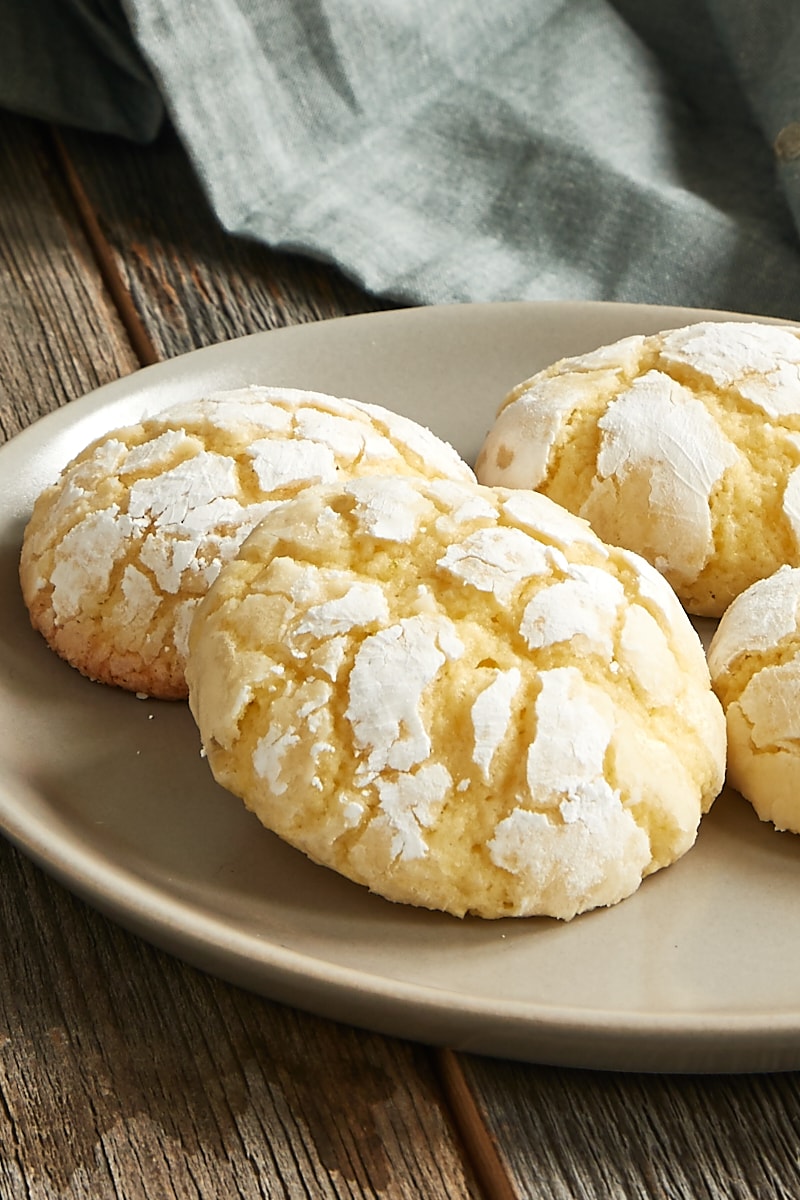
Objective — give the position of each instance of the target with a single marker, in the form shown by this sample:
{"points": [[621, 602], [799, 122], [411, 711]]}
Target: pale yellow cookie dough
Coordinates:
{"points": [[458, 697], [683, 446], [120, 549], [754, 658]]}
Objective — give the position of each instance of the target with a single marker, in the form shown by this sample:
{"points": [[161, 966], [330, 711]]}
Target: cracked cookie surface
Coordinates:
{"points": [[121, 548], [458, 697], [683, 446], [754, 658]]}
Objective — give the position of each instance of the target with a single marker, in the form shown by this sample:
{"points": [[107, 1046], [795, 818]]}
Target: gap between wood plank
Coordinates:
{"points": [[140, 341], [477, 1142]]}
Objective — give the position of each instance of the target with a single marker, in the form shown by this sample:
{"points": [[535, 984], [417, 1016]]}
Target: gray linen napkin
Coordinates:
{"points": [[639, 150]]}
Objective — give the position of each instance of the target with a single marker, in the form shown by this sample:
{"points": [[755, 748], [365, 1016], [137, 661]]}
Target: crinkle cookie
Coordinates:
{"points": [[121, 548], [754, 657], [683, 446], [458, 697]]}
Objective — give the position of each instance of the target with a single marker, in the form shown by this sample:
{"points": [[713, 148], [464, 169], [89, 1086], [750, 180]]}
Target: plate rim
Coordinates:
{"points": [[574, 1032]]}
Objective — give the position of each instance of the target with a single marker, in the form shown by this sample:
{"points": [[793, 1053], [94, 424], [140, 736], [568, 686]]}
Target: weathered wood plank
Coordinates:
{"points": [[52, 303], [580, 1135], [123, 1072], [191, 283]]}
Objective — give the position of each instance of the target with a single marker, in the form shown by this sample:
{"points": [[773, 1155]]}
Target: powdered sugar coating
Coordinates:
{"points": [[582, 818], [760, 362], [682, 446], [758, 620], [119, 551], [550, 522], [491, 717], [585, 605], [390, 674], [489, 699], [754, 658], [497, 560], [657, 438]]}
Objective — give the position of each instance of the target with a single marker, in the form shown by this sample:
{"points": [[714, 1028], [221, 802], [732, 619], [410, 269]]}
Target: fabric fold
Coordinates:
{"points": [[597, 149]]}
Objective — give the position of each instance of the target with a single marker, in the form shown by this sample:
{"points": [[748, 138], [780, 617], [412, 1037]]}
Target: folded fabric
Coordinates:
{"points": [[640, 150]]}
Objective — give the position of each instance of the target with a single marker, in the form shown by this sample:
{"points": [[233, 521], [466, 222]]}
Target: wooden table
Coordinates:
{"points": [[125, 1073]]}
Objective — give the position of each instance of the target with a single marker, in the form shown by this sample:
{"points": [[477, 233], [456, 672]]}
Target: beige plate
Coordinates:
{"points": [[699, 971]]}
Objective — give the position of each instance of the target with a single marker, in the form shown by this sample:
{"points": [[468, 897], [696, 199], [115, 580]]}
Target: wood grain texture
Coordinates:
{"points": [[126, 1073], [580, 1135], [191, 283], [52, 302], [123, 1072]]}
